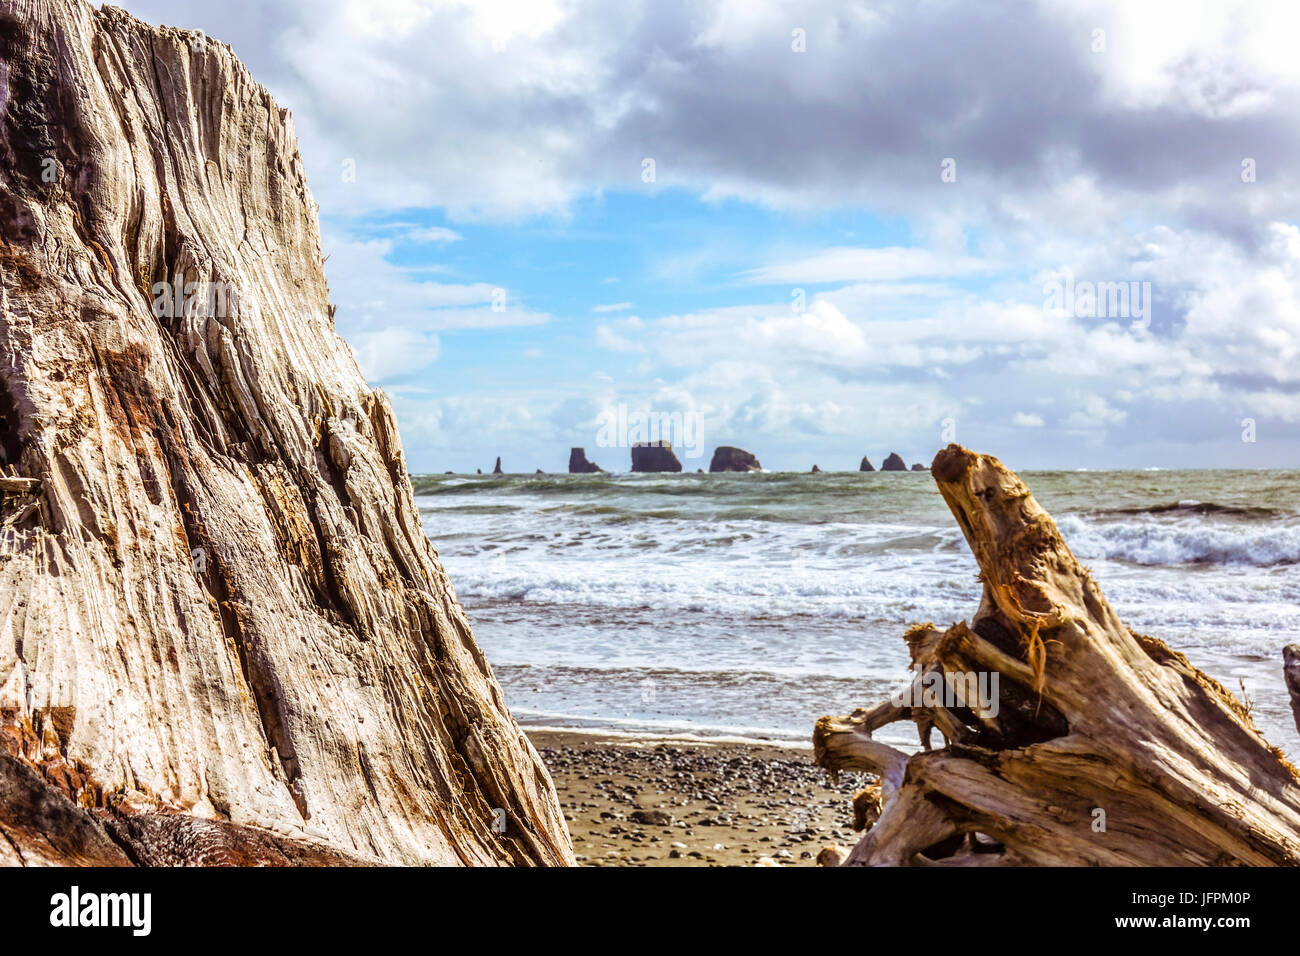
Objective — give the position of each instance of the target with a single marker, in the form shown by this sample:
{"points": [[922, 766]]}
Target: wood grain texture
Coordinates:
{"points": [[217, 601], [1107, 747]]}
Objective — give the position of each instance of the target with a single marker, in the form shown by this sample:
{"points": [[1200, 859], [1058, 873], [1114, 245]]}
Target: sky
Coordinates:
{"points": [[1061, 233]]}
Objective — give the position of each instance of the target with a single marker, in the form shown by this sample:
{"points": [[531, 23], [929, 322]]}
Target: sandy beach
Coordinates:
{"points": [[673, 802]]}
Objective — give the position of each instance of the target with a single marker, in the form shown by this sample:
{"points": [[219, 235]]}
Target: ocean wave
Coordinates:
{"points": [[648, 732], [1182, 542], [838, 593], [1191, 507], [429, 485], [755, 487]]}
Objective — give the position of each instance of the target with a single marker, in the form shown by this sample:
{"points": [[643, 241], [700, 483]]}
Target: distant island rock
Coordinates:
{"points": [[815, 470], [894, 463], [496, 470], [920, 467], [578, 464], [728, 458], [866, 465], [654, 456]]}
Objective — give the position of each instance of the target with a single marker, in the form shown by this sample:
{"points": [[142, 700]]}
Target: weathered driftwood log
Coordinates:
{"points": [[223, 632], [1095, 745]]}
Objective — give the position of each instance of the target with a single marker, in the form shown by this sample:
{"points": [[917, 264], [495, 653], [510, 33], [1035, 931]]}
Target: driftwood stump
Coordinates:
{"points": [[224, 635], [1100, 746]]}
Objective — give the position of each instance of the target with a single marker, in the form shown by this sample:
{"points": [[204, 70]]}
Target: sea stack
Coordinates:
{"points": [[894, 463], [225, 636], [866, 465], [578, 464], [496, 469], [654, 456], [815, 470], [920, 467], [727, 458]]}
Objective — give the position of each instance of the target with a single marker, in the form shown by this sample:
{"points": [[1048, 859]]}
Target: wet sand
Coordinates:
{"points": [[687, 803]]}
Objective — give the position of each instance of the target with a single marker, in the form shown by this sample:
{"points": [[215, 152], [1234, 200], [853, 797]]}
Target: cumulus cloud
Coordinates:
{"points": [[1166, 154], [525, 106]]}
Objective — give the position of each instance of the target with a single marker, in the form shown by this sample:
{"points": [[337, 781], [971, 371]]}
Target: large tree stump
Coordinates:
{"points": [[223, 630], [1103, 747]]}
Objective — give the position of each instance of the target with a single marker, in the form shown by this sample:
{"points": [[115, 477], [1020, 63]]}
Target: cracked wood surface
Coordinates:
{"points": [[218, 606]]}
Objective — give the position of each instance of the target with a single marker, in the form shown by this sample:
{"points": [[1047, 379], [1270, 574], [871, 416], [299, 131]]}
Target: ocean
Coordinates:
{"points": [[745, 606]]}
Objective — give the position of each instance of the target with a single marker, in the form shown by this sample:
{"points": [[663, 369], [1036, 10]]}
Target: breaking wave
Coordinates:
{"points": [[1168, 542]]}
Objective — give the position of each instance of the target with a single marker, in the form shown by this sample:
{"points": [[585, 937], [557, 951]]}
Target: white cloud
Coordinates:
{"points": [[389, 352], [849, 264], [1094, 413], [439, 235], [607, 338]]}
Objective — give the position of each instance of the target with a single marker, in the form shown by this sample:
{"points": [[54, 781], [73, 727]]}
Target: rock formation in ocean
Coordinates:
{"points": [[894, 463], [1069, 739], [727, 458], [816, 470], [920, 467], [654, 456], [578, 464], [496, 469], [866, 465], [1291, 674], [224, 635]]}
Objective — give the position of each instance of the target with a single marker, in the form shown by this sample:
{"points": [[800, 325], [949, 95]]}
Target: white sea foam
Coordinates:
{"points": [[1153, 541]]}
